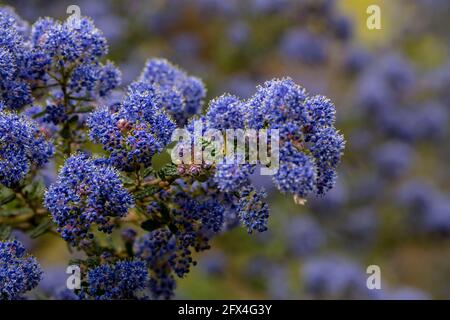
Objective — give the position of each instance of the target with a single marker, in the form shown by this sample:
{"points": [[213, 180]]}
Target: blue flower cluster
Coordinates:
{"points": [[88, 191], [121, 280], [73, 50], [310, 146], [22, 147], [181, 95], [136, 131], [181, 209], [19, 273], [17, 62], [158, 249]]}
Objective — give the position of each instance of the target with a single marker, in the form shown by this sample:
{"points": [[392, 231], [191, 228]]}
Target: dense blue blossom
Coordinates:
{"points": [[182, 95], [19, 273], [138, 130], [22, 147], [122, 280], [72, 51], [15, 60], [310, 146], [87, 192], [226, 112]]}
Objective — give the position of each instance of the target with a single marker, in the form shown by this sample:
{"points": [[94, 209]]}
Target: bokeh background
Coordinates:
{"points": [[391, 88]]}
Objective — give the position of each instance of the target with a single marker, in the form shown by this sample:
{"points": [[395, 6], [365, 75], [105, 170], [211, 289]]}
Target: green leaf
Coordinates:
{"points": [[147, 171], [173, 228], [39, 114], [7, 199], [159, 160], [165, 212], [148, 191], [74, 119], [5, 232], [42, 228], [65, 132], [202, 178], [151, 224], [14, 212]]}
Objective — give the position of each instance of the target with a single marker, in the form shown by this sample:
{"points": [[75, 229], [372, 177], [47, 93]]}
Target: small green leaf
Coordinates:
{"points": [[42, 228], [161, 159], [73, 119], [39, 114], [7, 199], [65, 132], [173, 228], [151, 224], [148, 191], [165, 212], [147, 171], [5, 232], [14, 212], [202, 178]]}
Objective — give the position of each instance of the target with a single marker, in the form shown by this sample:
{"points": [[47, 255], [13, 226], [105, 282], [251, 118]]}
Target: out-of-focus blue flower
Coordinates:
{"points": [[302, 45], [213, 263], [54, 284], [333, 278], [393, 159], [304, 236]]}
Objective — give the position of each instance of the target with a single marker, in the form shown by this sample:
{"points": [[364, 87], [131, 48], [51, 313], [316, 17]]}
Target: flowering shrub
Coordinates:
{"points": [[53, 74]]}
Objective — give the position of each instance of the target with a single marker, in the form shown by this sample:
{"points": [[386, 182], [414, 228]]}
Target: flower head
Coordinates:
{"points": [[22, 147], [19, 273], [88, 191]]}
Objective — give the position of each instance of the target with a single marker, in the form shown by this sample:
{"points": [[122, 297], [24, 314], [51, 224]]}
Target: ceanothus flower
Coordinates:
{"points": [[19, 272], [309, 48], [88, 192], [15, 61], [253, 210], [122, 280], [310, 146], [23, 147], [333, 277], [158, 249], [134, 133], [73, 50], [226, 112], [182, 95]]}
